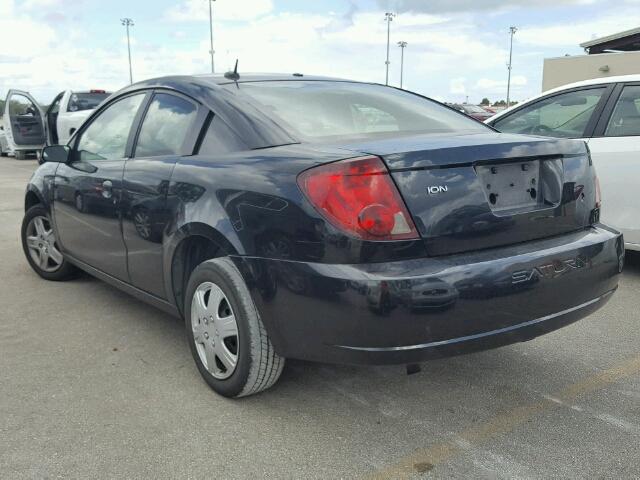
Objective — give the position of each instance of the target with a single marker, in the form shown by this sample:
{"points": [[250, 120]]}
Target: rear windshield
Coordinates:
{"points": [[317, 110], [85, 101]]}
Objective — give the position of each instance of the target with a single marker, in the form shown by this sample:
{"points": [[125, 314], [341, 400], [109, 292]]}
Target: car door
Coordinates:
{"points": [[24, 121], [169, 130], [51, 120], [569, 114], [87, 198], [615, 148]]}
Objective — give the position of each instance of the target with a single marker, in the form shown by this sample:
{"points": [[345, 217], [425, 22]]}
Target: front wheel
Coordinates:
{"points": [[228, 341], [41, 247]]}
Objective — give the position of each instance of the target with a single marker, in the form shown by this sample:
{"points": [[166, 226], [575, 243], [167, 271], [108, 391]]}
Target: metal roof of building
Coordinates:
{"points": [[626, 41]]}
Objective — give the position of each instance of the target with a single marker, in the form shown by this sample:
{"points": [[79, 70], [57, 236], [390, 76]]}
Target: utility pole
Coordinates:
{"points": [[388, 18], [213, 70], [512, 32], [402, 45], [127, 22]]}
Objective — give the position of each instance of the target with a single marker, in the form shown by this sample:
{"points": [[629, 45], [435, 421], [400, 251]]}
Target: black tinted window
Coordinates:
{"points": [[165, 126], [106, 137], [220, 139], [322, 109]]}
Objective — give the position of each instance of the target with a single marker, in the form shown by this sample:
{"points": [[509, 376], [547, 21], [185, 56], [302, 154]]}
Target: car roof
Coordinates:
{"points": [[569, 86], [220, 79]]}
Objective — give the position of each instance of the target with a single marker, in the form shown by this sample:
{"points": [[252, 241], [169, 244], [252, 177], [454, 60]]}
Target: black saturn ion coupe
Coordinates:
{"points": [[321, 219]]}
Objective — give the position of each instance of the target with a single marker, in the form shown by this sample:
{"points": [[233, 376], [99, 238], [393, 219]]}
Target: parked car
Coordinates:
{"points": [[4, 146], [604, 112], [28, 127], [473, 111], [293, 220]]}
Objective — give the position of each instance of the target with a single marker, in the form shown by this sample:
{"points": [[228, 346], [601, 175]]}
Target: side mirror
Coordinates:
{"points": [[56, 153]]}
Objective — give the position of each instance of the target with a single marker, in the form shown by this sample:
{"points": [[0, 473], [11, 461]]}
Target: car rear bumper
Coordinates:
{"points": [[410, 311]]}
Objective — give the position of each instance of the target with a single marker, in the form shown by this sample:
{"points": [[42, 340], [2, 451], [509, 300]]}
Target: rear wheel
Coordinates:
{"points": [[21, 155], [227, 339], [41, 247]]}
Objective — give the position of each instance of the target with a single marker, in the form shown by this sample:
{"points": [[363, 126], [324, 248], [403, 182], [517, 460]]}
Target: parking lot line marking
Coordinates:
{"points": [[423, 460]]}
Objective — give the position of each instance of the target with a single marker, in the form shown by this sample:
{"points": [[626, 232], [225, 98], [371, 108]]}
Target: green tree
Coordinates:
{"points": [[485, 101]]}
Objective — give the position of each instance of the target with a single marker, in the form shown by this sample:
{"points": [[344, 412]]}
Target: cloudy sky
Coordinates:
{"points": [[455, 47]]}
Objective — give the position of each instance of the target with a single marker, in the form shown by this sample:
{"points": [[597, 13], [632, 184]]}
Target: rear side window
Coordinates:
{"points": [[165, 126], [566, 115], [86, 101], [220, 139], [625, 120], [317, 110]]}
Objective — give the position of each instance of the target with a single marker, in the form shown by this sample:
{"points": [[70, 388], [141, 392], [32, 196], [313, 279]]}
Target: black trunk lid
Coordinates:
{"points": [[471, 192]]}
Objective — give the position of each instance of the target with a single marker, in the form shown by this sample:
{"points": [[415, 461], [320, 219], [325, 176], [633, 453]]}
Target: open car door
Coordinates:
{"points": [[23, 123]]}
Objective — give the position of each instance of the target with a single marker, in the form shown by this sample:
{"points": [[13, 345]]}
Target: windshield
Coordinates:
{"points": [[86, 101], [317, 110]]}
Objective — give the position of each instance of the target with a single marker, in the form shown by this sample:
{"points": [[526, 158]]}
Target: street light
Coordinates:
{"points": [[388, 17], [211, 32], [512, 32], [401, 45], [127, 22]]}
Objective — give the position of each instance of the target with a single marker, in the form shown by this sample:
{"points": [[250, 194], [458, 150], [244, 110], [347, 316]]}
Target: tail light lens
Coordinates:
{"points": [[359, 197], [598, 193]]}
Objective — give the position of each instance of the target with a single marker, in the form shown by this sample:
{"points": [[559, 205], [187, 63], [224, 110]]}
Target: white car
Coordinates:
{"points": [[27, 127], [4, 147], [605, 113]]}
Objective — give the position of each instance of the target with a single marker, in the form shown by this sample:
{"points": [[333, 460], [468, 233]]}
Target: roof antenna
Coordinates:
{"points": [[233, 75]]}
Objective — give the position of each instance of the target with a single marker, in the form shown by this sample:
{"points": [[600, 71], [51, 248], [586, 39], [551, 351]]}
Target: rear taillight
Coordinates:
{"points": [[598, 193], [359, 197]]}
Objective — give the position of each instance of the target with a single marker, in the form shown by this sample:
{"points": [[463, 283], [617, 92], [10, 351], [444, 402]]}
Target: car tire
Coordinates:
{"points": [[217, 294], [40, 241], [21, 155]]}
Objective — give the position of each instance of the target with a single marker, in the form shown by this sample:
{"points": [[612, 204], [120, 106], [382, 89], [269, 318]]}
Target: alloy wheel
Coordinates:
{"points": [[42, 245]]}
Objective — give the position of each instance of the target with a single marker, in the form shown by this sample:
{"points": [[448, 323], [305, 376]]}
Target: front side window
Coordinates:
{"points": [[21, 106], [165, 126], [106, 137], [565, 116], [625, 120], [317, 110]]}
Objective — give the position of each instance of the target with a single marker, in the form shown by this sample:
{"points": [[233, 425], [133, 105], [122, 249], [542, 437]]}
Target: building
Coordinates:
{"points": [[609, 56]]}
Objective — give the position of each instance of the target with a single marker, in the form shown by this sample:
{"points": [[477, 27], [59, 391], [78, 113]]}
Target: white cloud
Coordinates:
{"points": [[197, 10], [439, 6], [457, 86], [573, 33], [492, 84]]}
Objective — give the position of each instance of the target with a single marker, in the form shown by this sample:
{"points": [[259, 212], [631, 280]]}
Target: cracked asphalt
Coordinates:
{"points": [[96, 384]]}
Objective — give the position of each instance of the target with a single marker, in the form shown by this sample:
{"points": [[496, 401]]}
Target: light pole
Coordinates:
{"points": [[402, 45], [388, 18], [512, 32], [211, 32], [127, 22]]}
